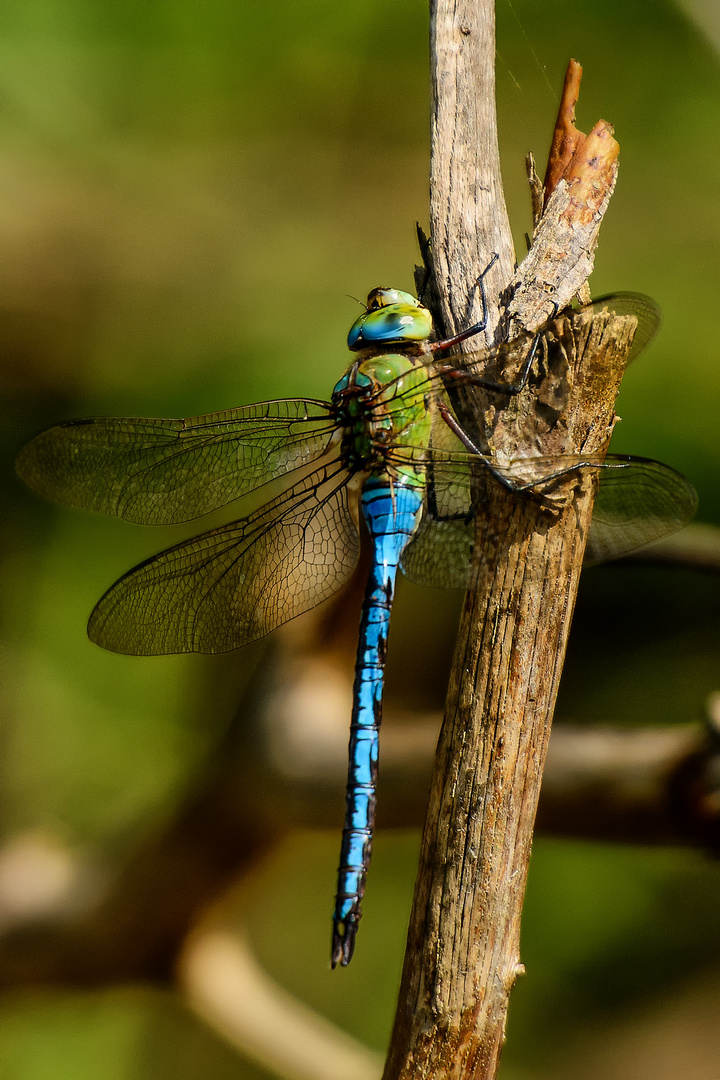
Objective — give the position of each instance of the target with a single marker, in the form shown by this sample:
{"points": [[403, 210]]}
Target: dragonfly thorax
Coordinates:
{"points": [[382, 406], [392, 317]]}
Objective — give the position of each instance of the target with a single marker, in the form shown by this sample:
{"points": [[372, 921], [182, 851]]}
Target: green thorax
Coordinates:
{"points": [[382, 403]]}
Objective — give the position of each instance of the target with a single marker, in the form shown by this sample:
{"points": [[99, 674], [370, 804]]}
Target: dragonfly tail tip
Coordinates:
{"points": [[343, 942]]}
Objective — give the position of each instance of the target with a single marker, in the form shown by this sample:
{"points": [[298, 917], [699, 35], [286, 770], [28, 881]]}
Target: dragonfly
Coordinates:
{"points": [[387, 446]]}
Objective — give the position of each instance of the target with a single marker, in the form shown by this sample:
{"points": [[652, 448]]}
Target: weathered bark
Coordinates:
{"points": [[468, 219], [463, 943]]}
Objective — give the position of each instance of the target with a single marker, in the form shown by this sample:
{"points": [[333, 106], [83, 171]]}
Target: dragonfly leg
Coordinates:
{"points": [[511, 485], [456, 429], [468, 378], [476, 328], [470, 445], [425, 248], [533, 484]]}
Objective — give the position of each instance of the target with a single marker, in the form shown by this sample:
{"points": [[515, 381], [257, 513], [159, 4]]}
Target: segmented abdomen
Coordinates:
{"points": [[392, 513]]}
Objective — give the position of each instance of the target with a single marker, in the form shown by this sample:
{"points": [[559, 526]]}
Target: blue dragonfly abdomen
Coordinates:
{"points": [[392, 512]]}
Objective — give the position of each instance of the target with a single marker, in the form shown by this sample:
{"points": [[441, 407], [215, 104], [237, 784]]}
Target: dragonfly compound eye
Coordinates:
{"points": [[390, 324]]}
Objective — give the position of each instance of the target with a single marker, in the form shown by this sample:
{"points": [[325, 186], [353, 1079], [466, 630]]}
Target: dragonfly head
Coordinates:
{"points": [[391, 317]]}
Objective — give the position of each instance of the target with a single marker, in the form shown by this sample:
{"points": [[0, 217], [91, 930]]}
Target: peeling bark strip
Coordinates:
{"points": [[463, 942]]}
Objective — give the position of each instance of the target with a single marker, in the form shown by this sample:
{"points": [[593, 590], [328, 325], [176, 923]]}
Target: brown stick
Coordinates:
{"points": [[463, 943]]}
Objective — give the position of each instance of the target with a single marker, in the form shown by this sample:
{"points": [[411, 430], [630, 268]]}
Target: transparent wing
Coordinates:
{"points": [[636, 505], [234, 584], [440, 553], [642, 307], [159, 472], [638, 501]]}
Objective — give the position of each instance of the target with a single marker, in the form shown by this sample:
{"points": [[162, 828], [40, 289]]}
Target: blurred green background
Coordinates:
{"points": [[190, 191]]}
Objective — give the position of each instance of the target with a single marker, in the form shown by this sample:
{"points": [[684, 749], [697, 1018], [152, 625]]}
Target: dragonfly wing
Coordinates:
{"points": [[159, 472], [235, 584], [440, 553], [635, 505], [641, 307], [638, 501]]}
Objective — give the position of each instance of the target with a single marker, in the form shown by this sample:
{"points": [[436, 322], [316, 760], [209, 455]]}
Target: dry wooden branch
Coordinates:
{"points": [[463, 944]]}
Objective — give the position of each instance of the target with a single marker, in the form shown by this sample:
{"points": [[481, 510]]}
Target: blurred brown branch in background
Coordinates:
{"points": [[65, 922]]}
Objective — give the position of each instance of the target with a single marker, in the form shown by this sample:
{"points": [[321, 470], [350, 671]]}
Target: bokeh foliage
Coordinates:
{"points": [[188, 191]]}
